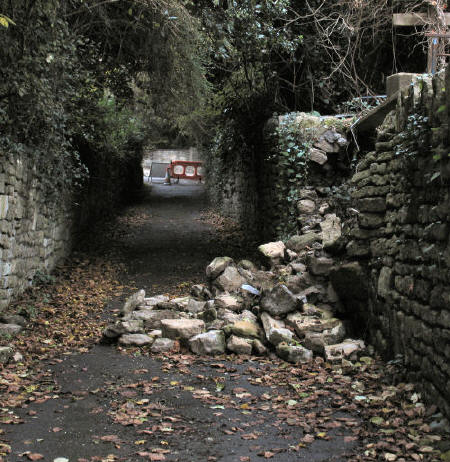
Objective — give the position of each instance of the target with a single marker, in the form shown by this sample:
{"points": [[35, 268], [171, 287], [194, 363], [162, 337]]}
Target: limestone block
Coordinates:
{"points": [[347, 349], [247, 328], [152, 318], [372, 204], [275, 330], [303, 324], [320, 266], [230, 280], [331, 230], [182, 329], [318, 156], [240, 345], [248, 265], [208, 343], [162, 345], [273, 252], [132, 326], [307, 193], [218, 266], [180, 302], [296, 354], [10, 329], [4, 206], [229, 302], [357, 249], [260, 349], [371, 220], [194, 306], [133, 302], [357, 177], [298, 243], [136, 339], [280, 300], [325, 146], [200, 291], [306, 206], [153, 301]]}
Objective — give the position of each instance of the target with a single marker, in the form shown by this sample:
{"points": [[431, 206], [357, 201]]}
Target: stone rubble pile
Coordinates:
{"points": [[288, 309]]}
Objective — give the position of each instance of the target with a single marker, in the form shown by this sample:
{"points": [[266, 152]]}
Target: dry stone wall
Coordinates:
{"points": [[391, 265], [258, 183], [35, 232], [232, 186], [397, 284], [34, 235], [301, 151]]}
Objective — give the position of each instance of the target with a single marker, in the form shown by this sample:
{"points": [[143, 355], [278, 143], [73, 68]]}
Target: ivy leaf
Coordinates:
{"points": [[435, 175], [5, 21]]}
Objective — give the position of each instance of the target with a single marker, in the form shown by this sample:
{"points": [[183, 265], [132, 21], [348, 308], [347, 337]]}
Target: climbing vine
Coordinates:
{"points": [[289, 157]]}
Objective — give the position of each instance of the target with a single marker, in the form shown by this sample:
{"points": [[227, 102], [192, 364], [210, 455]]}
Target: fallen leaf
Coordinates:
{"points": [[390, 457], [157, 457], [35, 456], [111, 438]]}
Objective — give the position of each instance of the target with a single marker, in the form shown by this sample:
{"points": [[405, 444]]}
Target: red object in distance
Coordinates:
{"points": [[187, 170]]}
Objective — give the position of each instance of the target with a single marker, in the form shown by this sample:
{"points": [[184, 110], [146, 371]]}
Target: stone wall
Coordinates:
{"points": [[301, 151], [258, 185], [392, 261], [231, 181], [399, 238], [35, 232]]}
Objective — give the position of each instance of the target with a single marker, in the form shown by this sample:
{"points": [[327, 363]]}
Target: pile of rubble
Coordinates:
{"points": [[288, 309]]}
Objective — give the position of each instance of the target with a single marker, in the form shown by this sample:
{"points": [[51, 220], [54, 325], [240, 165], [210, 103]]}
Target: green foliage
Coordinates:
{"points": [[289, 157], [5, 21], [80, 80], [40, 77], [121, 123], [415, 136]]}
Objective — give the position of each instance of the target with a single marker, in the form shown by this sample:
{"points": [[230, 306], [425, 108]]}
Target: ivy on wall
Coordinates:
{"points": [[289, 158]]}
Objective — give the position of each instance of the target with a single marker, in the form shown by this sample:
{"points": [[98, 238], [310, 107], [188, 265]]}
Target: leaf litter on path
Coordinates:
{"points": [[367, 406]]}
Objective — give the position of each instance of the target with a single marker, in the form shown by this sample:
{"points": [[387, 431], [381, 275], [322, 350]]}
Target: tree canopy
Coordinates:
{"points": [[172, 71]]}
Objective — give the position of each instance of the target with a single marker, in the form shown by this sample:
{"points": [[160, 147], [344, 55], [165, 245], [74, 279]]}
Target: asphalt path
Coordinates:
{"points": [[110, 404]]}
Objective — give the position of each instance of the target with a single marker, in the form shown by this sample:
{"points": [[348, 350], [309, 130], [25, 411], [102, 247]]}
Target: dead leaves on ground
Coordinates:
{"points": [[64, 317], [374, 419]]}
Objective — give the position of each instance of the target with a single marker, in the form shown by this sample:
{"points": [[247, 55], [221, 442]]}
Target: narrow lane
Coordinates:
{"points": [[109, 404]]}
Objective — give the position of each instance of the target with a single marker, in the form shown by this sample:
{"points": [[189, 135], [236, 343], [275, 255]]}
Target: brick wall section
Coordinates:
{"points": [[401, 237], [33, 235]]}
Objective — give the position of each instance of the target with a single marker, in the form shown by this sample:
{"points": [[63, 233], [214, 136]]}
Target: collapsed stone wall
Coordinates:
{"points": [[35, 232], [257, 182], [387, 229], [400, 238], [301, 151]]}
